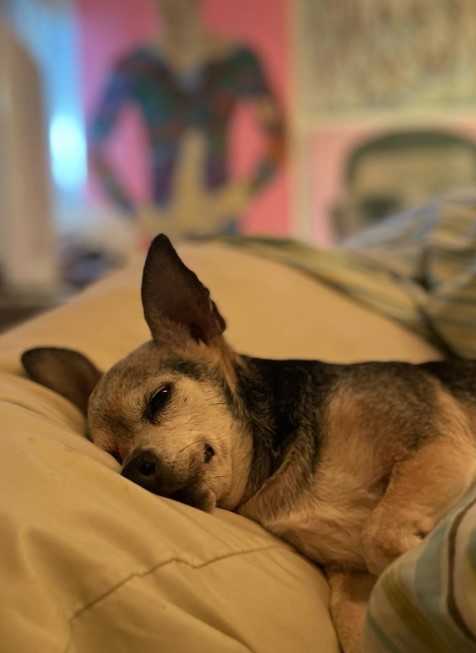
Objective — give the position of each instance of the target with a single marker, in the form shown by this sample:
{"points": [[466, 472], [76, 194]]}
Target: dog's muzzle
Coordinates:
{"points": [[147, 469]]}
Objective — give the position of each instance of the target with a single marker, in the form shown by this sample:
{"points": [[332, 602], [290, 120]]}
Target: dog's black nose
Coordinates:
{"points": [[147, 470], [142, 469], [151, 472]]}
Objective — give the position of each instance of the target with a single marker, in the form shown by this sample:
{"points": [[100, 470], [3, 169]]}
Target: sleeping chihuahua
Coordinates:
{"points": [[352, 464]]}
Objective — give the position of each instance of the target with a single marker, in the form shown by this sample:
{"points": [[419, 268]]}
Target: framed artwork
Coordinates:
{"points": [[385, 57], [185, 104], [384, 111]]}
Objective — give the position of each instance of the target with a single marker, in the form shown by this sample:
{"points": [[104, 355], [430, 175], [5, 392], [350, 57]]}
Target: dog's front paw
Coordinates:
{"points": [[382, 544]]}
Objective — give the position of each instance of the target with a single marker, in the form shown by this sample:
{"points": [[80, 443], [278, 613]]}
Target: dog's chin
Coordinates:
{"points": [[210, 502], [201, 499]]}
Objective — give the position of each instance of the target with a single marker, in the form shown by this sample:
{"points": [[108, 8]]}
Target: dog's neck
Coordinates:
{"points": [[279, 403]]}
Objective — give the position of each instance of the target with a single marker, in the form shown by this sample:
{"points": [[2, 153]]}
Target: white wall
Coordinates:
{"points": [[27, 252]]}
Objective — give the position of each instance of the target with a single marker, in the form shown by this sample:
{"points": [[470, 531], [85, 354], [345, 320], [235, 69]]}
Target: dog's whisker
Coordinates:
{"points": [[190, 444]]}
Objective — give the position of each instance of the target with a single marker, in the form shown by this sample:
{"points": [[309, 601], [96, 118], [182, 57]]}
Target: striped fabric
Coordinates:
{"points": [[418, 268], [426, 601]]}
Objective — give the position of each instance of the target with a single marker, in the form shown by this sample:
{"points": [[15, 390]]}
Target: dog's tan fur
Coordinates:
{"points": [[353, 464], [198, 414], [372, 499]]}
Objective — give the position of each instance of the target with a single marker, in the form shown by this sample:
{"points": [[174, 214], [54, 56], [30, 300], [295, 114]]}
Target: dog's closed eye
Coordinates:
{"points": [[157, 402]]}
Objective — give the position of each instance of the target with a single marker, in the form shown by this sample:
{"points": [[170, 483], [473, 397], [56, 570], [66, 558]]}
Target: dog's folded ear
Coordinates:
{"points": [[65, 371], [171, 290]]}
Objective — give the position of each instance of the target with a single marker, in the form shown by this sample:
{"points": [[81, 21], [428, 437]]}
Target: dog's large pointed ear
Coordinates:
{"points": [[65, 371], [171, 290]]}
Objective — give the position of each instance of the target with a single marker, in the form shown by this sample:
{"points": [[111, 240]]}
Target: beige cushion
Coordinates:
{"points": [[93, 563]]}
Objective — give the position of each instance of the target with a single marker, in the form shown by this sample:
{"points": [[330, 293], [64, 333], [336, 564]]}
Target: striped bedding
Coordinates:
{"points": [[426, 601], [418, 268]]}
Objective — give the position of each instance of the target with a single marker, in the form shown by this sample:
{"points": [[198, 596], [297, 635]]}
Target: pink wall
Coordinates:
{"points": [[108, 28], [330, 149]]}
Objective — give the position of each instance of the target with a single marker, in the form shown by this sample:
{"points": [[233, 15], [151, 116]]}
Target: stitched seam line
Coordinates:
{"points": [[144, 574]]}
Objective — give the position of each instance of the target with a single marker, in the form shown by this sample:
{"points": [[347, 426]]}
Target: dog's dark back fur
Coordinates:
{"points": [[285, 403]]}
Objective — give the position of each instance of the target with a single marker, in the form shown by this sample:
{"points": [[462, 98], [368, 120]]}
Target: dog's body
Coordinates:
{"points": [[353, 464]]}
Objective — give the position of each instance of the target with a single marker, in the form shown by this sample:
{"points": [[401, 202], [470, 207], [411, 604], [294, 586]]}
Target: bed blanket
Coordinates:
{"points": [[418, 268]]}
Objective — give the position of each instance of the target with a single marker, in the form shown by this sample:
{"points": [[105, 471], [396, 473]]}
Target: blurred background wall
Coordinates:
{"points": [[304, 118]]}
